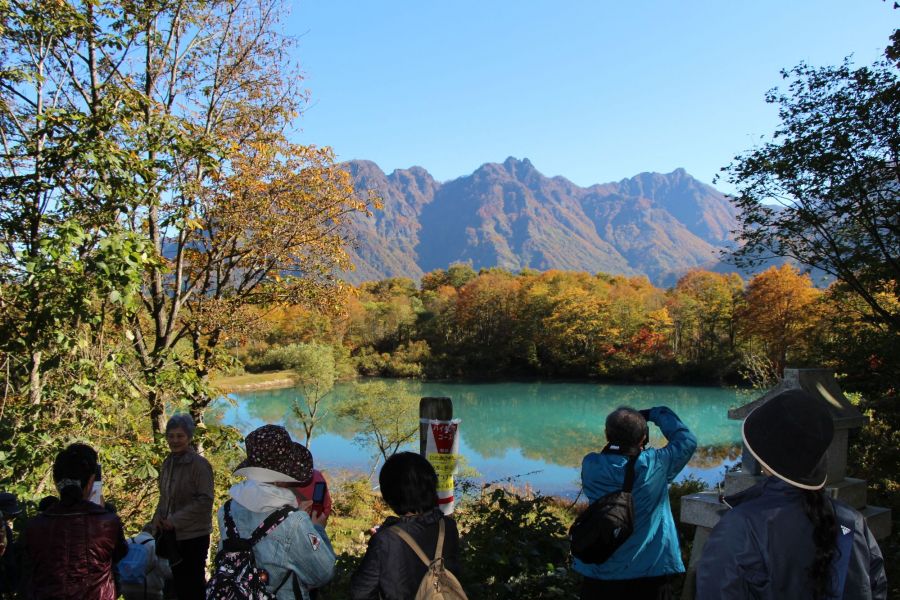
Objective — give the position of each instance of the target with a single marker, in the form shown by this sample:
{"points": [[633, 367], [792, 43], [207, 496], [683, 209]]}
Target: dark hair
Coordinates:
{"points": [[408, 484], [815, 505], [47, 502], [77, 463], [626, 427]]}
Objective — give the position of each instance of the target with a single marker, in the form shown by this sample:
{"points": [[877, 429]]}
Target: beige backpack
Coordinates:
{"points": [[438, 583]]}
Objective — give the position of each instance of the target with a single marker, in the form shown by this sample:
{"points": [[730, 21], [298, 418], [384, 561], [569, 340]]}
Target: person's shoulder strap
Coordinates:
{"points": [[230, 528], [133, 540], [415, 547], [270, 523], [629, 473], [439, 549], [289, 575]]}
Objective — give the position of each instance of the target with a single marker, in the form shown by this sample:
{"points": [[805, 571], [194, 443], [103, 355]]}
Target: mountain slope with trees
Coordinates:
{"points": [[510, 215]]}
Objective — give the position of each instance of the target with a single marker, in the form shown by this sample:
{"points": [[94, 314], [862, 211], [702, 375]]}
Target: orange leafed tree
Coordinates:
{"points": [[242, 216], [779, 311], [702, 306], [486, 314]]}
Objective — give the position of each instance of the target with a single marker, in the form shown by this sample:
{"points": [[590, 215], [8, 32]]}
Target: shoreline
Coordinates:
{"points": [[250, 382], [273, 380]]}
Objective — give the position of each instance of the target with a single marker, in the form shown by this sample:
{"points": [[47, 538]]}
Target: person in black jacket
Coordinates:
{"points": [[390, 570], [785, 537], [10, 549]]}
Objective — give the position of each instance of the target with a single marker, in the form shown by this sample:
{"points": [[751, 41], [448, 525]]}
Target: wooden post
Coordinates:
{"points": [[432, 408]]}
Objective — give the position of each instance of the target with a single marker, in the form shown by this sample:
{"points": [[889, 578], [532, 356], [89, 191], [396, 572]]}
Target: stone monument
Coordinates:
{"points": [[705, 508]]}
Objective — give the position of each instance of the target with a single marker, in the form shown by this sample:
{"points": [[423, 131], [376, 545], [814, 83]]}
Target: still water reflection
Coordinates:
{"points": [[536, 433]]}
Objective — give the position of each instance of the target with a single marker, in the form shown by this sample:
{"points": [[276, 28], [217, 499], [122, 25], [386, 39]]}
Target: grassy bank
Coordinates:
{"points": [[254, 381]]}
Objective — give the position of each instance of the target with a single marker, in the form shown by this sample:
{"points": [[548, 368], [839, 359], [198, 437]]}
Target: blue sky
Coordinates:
{"points": [[594, 91]]}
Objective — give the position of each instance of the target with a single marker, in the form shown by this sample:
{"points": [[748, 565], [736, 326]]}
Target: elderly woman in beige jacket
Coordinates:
{"points": [[185, 507]]}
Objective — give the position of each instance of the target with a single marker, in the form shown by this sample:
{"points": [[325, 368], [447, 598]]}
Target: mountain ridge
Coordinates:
{"points": [[512, 216]]}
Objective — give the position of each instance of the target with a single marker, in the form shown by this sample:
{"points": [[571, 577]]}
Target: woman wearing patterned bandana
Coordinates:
{"points": [[296, 555]]}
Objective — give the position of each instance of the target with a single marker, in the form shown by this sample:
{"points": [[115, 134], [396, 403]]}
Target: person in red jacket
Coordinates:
{"points": [[70, 549]]}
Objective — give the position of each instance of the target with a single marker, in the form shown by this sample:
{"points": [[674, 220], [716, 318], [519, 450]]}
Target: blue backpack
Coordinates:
{"points": [[134, 567]]}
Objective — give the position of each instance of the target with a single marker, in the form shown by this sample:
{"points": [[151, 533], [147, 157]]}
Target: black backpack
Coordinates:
{"points": [[236, 576], [605, 525]]}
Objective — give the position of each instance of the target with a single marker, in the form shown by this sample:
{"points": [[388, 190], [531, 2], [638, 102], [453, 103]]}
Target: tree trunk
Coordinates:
{"points": [[157, 414], [34, 379]]}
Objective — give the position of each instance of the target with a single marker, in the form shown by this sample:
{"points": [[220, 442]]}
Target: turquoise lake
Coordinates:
{"points": [[531, 434]]}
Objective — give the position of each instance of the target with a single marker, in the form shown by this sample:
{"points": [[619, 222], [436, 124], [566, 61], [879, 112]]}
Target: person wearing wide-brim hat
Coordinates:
{"points": [[785, 537], [297, 554]]}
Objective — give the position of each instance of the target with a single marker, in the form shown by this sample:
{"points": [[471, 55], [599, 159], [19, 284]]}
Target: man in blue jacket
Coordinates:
{"points": [[642, 566]]}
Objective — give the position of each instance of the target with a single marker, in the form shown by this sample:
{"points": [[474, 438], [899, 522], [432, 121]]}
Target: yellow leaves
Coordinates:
{"points": [[579, 316], [660, 319], [192, 224], [264, 232], [780, 306]]}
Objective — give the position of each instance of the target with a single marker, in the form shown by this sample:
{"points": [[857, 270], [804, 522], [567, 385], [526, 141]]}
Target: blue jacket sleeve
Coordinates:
{"points": [[315, 558], [682, 442]]}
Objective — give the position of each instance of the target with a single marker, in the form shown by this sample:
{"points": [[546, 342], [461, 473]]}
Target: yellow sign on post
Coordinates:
{"points": [[442, 451], [445, 466]]}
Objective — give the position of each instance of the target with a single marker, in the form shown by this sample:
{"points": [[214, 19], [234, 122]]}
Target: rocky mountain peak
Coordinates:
{"points": [[510, 215]]}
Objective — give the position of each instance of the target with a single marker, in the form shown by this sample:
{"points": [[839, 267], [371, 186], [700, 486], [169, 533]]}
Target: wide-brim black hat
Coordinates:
{"points": [[789, 435]]}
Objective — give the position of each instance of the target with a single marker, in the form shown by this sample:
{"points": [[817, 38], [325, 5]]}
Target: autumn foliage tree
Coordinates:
{"points": [[269, 234], [485, 315], [578, 330], [497, 322], [825, 191], [241, 216], [168, 125], [778, 313], [391, 308], [702, 307]]}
